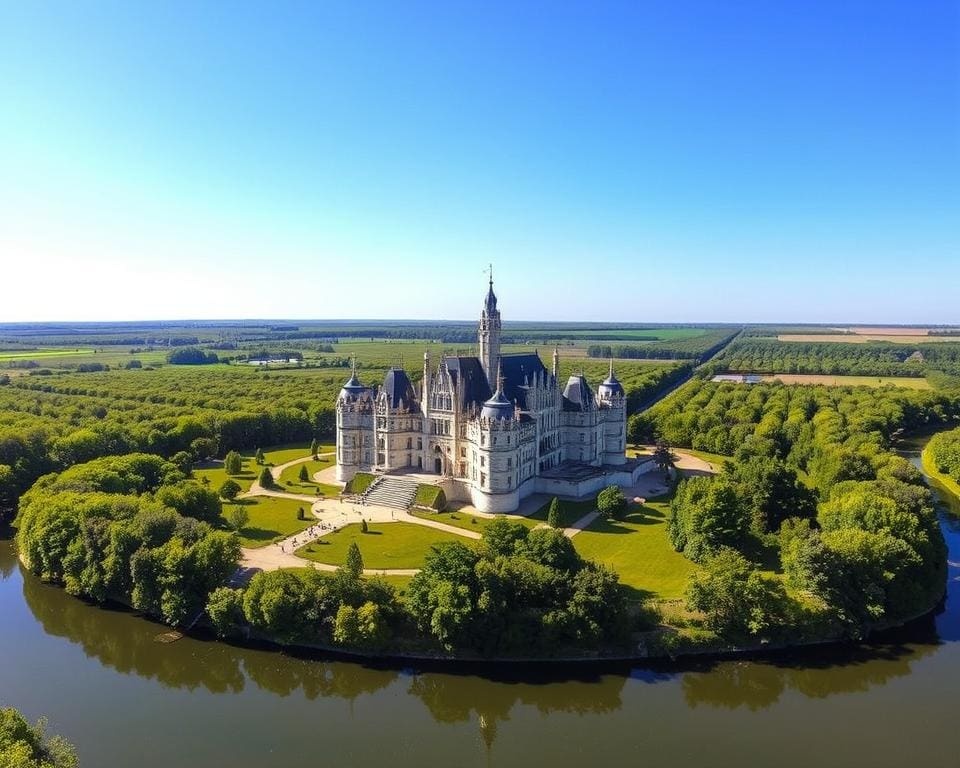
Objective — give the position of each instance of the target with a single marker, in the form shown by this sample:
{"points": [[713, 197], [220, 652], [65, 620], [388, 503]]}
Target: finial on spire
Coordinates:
{"points": [[353, 365], [500, 374], [611, 366], [490, 269]]}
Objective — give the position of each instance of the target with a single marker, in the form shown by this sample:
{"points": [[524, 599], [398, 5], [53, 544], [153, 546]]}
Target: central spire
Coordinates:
{"points": [[488, 334]]}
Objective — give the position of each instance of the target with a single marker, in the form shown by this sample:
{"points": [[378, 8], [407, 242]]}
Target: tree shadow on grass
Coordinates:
{"points": [[372, 533], [260, 534]]}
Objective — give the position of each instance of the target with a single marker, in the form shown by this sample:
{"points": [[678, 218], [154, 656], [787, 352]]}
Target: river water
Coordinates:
{"points": [[128, 701]]}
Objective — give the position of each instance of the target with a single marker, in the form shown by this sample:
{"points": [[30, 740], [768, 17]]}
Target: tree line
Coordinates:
{"points": [[769, 355]]}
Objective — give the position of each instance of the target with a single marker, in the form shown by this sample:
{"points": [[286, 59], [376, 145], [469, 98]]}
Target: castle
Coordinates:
{"points": [[490, 429]]}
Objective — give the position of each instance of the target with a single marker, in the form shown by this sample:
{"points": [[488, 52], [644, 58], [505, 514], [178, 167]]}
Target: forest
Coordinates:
{"points": [[769, 355], [811, 492]]}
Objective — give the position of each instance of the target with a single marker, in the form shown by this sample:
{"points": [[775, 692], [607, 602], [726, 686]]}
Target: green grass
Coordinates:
{"points": [[638, 549], [290, 478], [570, 511], [271, 519], [387, 545], [467, 521], [430, 496], [359, 483]]}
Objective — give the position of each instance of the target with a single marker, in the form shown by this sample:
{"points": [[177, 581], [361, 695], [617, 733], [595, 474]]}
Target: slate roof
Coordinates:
{"points": [[516, 370], [468, 374], [398, 389], [577, 395]]}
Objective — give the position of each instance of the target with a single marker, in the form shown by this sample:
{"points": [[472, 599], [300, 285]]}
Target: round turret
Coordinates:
{"points": [[610, 386], [497, 407], [353, 389]]}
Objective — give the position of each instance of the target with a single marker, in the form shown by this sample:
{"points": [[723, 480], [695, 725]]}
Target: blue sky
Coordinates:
{"points": [[636, 161]]}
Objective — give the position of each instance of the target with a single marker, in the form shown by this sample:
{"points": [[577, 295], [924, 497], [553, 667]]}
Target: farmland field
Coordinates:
{"points": [[16, 355], [850, 381], [863, 338]]}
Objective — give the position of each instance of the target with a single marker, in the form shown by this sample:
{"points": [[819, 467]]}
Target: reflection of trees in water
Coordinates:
{"points": [[124, 641], [8, 555], [758, 684], [452, 698], [283, 674]]}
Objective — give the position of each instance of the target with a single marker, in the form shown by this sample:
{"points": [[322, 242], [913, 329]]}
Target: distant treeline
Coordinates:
{"points": [[698, 348], [882, 358]]}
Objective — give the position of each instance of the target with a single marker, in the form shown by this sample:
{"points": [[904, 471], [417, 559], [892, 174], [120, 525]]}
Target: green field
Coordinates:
{"points": [[271, 519], [467, 521], [638, 549], [39, 353], [570, 511], [387, 545]]}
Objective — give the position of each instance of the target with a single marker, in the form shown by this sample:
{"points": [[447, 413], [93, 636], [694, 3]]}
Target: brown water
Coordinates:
{"points": [[128, 701]]}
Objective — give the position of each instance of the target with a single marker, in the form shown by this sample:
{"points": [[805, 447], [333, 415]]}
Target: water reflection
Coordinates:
{"points": [[756, 685]]}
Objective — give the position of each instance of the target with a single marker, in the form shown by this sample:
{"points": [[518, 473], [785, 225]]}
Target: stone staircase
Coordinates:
{"points": [[393, 492]]}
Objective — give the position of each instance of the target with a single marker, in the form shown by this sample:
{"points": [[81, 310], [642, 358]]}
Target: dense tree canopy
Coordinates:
{"points": [[129, 528], [27, 746]]}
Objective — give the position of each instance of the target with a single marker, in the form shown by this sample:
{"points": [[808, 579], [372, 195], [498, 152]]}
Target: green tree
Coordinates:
{"points": [[238, 517], [204, 448], [553, 514], [8, 487], [258, 457], [266, 478], [354, 563], [225, 609], [304, 475], [363, 627], [27, 746], [233, 463], [313, 448], [501, 536], [183, 461], [230, 489], [705, 515], [736, 599], [663, 457], [364, 528], [611, 503]]}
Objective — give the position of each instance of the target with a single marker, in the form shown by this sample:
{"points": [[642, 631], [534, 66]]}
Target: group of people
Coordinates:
{"points": [[313, 532]]}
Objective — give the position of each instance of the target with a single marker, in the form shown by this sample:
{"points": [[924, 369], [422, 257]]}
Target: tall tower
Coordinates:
{"points": [[489, 335]]}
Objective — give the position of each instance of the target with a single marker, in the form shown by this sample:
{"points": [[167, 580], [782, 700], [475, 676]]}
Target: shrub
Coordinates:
{"points": [[233, 463], [611, 503]]}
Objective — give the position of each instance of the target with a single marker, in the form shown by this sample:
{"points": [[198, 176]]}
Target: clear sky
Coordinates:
{"points": [[734, 160]]}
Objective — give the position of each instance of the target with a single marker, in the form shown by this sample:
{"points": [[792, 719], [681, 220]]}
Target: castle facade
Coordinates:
{"points": [[490, 429]]}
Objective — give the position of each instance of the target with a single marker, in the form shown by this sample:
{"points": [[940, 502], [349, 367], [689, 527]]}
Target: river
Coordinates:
{"points": [[128, 701]]}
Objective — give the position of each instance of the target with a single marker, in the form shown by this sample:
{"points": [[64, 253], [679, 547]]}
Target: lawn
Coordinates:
{"points": [[638, 549], [467, 521], [386, 545], [570, 511], [271, 519], [290, 478]]}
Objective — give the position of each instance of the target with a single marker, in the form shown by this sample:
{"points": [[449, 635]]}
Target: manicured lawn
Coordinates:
{"points": [[638, 549], [467, 521], [570, 511], [271, 519], [387, 545], [290, 478]]}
